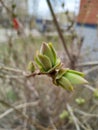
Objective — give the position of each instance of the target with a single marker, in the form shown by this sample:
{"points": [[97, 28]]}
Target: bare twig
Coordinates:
{"points": [[11, 69], [90, 70], [54, 127], [22, 74], [73, 117], [59, 30], [31, 122], [19, 107], [93, 63], [89, 87], [85, 113]]}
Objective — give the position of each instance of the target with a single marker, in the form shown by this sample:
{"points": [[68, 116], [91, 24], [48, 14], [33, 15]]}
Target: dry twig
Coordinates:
{"points": [[73, 117], [19, 107]]}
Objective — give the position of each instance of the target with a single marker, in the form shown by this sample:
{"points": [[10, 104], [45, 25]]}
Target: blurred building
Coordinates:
{"points": [[64, 19], [88, 12], [47, 24], [87, 26]]}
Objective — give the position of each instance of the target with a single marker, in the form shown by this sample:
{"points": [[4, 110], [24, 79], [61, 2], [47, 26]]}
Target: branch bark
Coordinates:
{"points": [[59, 30]]}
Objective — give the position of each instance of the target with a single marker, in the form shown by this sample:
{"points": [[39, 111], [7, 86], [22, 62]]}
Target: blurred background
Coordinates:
{"points": [[35, 103]]}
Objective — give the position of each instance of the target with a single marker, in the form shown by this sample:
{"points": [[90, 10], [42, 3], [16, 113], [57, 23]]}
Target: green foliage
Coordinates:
{"points": [[47, 61], [64, 114], [96, 93], [74, 77], [80, 101], [67, 78]]}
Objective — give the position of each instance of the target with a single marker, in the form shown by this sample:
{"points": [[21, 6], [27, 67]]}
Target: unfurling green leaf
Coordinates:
{"points": [[45, 62], [46, 59], [66, 78], [75, 79], [76, 72], [45, 50], [53, 51], [65, 83], [60, 73]]}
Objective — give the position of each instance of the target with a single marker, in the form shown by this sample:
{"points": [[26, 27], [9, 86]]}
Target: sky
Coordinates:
{"points": [[43, 9]]}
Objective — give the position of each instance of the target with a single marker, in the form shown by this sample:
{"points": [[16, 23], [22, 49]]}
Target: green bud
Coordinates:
{"points": [[53, 51], [76, 72], [60, 73], [75, 78], [46, 59], [96, 93], [66, 78], [45, 50], [31, 67], [38, 63], [65, 83], [45, 62], [64, 114], [57, 65], [80, 101]]}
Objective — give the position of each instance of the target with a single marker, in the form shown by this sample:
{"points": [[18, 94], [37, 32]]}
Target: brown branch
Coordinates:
{"points": [[87, 64], [18, 107], [30, 122], [59, 30], [19, 73], [34, 74]]}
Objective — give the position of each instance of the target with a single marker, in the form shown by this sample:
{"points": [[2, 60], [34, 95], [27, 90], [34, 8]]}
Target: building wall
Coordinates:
{"points": [[90, 44], [88, 12]]}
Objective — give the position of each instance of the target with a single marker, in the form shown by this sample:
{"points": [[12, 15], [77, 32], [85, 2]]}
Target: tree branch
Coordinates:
{"points": [[59, 30]]}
